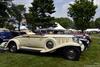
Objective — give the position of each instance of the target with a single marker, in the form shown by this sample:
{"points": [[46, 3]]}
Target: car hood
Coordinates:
{"points": [[58, 35]]}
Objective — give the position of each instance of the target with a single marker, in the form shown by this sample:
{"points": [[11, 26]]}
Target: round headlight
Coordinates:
{"points": [[49, 44]]}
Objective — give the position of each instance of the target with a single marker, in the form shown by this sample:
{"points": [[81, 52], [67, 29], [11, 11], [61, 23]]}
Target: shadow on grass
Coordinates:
{"points": [[37, 53]]}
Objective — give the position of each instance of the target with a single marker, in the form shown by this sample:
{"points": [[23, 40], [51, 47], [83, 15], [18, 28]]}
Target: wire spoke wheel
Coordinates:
{"points": [[12, 48], [71, 54]]}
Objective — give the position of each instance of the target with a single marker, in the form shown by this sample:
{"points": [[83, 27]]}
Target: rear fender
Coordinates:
{"points": [[15, 41]]}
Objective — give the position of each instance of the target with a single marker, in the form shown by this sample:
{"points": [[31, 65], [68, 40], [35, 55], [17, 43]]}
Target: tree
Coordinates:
{"points": [[29, 19], [65, 22], [82, 11], [92, 24], [17, 12], [7, 10], [97, 23], [21, 8], [3, 14], [41, 11]]}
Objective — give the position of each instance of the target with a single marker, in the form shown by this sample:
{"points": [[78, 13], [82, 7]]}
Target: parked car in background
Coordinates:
{"points": [[49, 31], [5, 35], [84, 38], [22, 32], [17, 33]]}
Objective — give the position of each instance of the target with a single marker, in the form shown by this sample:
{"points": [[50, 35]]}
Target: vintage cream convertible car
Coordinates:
{"points": [[70, 47]]}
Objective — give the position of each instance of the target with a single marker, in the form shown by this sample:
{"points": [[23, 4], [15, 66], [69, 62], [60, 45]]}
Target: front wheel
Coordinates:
{"points": [[71, 53], [12, 48]]}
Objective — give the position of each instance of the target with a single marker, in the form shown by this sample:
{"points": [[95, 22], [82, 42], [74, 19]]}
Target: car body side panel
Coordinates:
{"points": [[38, 42]]}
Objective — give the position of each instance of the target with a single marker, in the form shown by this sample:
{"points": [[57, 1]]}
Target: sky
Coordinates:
{"points": [[61, 6]]}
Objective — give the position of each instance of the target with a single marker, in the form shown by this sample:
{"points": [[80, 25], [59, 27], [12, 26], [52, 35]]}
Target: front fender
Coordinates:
{"points": [[15, 41], [61, 46]]}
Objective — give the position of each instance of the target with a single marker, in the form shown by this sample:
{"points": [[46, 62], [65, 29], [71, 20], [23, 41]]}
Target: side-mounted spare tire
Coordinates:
{"points": [[72, 53], [49, 44]]}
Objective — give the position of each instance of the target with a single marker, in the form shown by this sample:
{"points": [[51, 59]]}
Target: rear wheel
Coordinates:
{"points": [[71, 53], [12, 47]]}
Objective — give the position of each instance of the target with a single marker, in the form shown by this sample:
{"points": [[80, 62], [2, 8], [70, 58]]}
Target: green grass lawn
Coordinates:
{"points": [[89, 58]]}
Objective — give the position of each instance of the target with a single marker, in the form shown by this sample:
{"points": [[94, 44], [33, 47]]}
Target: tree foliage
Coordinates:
{"points": [[29, 19], [41, 11], [82, 11], [97, 23], [4, 15], [8, 10], [17, 11], [92, 24]]}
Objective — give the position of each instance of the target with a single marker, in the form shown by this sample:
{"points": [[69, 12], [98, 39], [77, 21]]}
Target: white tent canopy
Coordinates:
{"points": [[59, 27], [91, 30], [73, 30]]}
